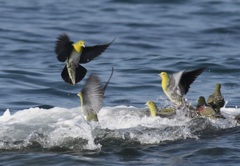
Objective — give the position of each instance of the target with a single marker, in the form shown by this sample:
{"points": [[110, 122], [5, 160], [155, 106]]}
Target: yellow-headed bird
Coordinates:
{"points": [[216, 100], [154, 111], [177, 86], [73, 54], [152, 108], [207, 110], [91, 97]]}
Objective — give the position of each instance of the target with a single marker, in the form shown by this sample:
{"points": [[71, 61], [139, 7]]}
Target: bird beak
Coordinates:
{"points": [[83, 46]]}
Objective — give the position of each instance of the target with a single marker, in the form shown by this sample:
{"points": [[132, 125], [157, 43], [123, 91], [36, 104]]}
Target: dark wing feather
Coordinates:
{"points": [[92, 52], [188, 77], [65, 76], [105, 87], [80, 74], [63, 47], [92, 94]]}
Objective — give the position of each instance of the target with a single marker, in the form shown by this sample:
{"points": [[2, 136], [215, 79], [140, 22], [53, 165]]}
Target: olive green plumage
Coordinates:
{"points": [[75, 54], [216, 100], [155, 111], [204, 109], [91, 97], [207, 110]]}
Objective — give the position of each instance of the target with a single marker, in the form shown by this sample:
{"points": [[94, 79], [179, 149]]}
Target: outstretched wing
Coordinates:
{"points": [[188, 77], [174, 83], [65, 75], [92, 52], [63, 47], [80, 74], [92, 94]]}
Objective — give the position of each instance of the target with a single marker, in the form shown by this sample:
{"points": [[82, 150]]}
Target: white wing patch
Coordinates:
{"points": [[174, 86]]}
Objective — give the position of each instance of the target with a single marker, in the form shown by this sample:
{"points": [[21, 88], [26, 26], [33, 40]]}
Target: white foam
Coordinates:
{"points": [[231, 111], [66, 128], [56, 124], [6, 116]]}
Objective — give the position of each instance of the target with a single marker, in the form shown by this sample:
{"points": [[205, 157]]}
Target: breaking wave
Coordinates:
{"points": [[66, 129]]}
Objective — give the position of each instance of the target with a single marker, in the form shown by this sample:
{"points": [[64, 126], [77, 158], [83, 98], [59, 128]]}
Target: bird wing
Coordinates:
{"points": [[188, 77], [92, 52], [174, 83], [80, 74], [65, 75], [89, 113], [63, 47], [105, 86], [210, 99], [92, 94]]}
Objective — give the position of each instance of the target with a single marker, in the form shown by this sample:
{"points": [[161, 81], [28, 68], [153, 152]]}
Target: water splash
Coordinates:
{"points": [[66, 129]]}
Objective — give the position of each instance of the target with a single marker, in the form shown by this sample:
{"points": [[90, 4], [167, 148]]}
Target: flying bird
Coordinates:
{"points": [[176, 86], [91, 97], [75, 54]]}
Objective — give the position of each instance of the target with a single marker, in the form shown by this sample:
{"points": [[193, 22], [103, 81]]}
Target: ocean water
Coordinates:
{"points": [[40, 118]]}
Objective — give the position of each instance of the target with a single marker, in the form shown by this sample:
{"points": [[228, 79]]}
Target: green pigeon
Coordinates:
{"points": [[176, 86], [75, 54], [154, 111], [216, 100], [91, 97], [206, 110]]}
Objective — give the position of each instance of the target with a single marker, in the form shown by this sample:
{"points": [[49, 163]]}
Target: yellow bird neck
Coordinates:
{"points": [[81, 101], [78, 46], [153, 109], [165, 81], [217, 90]]}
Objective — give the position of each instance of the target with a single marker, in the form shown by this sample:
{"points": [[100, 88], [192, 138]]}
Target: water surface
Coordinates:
{"points": [[45, 126]]}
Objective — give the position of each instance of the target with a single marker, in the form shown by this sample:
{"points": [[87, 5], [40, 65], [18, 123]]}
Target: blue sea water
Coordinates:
{"points": [[41, 122]]}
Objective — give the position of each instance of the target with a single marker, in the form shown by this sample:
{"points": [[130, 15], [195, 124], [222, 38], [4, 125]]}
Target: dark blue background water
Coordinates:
{"points": [[151, 36]]}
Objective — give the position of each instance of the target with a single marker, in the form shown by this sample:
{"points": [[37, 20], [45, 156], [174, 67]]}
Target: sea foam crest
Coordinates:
{"points": [[66, 129]]}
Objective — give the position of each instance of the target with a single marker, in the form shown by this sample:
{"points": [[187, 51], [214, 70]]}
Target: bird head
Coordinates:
{"points": [[218, 86], [152, 108], [79, 45], [149, 103], [164, 75], [201, 101], [165, 79]]}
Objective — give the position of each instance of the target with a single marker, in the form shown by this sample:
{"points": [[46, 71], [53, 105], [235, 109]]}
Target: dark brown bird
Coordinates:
{"points": [[216, 100]]}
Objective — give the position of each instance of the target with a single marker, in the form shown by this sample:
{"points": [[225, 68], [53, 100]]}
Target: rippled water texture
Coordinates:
{"points": [[45, 126]]}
